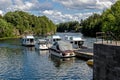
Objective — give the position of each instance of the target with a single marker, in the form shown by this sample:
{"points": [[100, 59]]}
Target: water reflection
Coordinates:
{"points": [[58, 62], [28, 49], [42, 52]]}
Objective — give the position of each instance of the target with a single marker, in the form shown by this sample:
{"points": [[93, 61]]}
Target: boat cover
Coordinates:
{"points": [[63, 45]]}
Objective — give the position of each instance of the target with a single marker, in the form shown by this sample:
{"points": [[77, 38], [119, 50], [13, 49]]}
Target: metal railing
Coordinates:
{"points": [[106, 37]]}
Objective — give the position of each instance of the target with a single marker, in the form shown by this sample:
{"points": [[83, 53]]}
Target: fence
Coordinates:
{"points": [[107, 37]]}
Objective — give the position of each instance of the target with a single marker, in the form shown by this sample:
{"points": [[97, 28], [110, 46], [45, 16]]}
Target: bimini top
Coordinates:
{"points": [[56, 37], [29, 36]]}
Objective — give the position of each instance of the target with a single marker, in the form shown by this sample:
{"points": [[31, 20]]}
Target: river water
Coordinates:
{"points": [[26, 63]]}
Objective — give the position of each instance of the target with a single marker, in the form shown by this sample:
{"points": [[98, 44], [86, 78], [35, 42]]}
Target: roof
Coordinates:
{"points": [[74, 38], [29, 36], [56, 37], [42, 41]]}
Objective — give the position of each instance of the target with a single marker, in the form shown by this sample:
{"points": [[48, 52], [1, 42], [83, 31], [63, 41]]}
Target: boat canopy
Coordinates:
{"points": [[65, 45], [75, 38], [29, 36]]}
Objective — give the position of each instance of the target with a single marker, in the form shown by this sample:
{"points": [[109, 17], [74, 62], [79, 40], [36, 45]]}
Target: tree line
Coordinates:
{"points": [[109, 20], [72, 26], [19, 23]]}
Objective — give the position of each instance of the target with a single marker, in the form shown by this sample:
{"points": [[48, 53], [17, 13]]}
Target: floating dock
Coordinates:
{"points": [[86, 53]]}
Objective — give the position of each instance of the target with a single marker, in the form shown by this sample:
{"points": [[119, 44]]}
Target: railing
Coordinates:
{"points": [[106, 37]]}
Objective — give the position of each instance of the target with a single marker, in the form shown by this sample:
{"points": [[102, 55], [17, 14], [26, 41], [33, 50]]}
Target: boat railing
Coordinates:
{"points": [[106, 37]]}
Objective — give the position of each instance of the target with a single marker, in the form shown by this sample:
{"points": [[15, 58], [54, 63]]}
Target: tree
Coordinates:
{"points": [[24, 23]]}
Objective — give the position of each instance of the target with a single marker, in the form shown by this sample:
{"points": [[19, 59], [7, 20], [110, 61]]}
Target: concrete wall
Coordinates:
{"points": [[106, 62]]}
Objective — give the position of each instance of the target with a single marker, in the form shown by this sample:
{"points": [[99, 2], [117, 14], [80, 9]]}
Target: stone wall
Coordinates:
{"points": [[106, 62]]}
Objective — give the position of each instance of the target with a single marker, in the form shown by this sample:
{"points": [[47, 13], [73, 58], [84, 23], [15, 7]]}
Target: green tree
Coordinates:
{"points": [[6, 29]]}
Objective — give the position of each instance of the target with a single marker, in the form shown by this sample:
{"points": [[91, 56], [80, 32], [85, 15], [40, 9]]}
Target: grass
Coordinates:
{"points": [[10, 37]]}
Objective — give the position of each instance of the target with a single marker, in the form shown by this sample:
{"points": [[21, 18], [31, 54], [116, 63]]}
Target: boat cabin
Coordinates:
{"points": [[28, 41], [75, 40], [42, 44], [56, 38]]}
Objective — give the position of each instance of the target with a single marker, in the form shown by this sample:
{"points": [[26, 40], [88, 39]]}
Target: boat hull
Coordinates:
{"points": [[59, 53]]}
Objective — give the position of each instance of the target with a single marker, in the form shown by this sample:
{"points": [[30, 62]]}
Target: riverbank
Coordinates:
{"points": [[10, 37]]}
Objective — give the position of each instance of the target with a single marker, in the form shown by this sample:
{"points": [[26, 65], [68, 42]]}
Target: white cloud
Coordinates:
{"points": [[1, 12], [86, 4], [57, 16], [5, 4], [26, 5], [21, 6]]}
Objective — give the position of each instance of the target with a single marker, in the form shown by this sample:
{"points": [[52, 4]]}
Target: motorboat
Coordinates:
{"points": [[62, 49], [76, 41], [28, 40], [42, 44]]}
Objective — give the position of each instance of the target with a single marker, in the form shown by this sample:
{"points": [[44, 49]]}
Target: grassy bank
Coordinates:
{"points": [[10, 37]]}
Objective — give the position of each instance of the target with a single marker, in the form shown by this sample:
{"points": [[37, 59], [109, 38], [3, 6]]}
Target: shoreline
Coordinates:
{"points": [[4, 38]]}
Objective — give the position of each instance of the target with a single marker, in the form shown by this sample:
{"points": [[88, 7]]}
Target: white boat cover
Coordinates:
{"points": [[63, 45]]}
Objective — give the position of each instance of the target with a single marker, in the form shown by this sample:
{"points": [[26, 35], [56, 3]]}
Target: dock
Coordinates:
{"points": [[86, 53]]}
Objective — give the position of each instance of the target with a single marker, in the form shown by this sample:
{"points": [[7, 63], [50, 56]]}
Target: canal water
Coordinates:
{"points": [[26, 63]]}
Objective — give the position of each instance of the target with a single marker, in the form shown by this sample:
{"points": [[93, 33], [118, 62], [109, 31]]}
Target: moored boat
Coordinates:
{"points": [[28, 40], [55, 38], [76, 41], [62, 49], [42, 44]]}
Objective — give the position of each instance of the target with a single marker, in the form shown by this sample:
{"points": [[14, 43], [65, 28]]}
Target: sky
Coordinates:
{"points": [[57, 10]]}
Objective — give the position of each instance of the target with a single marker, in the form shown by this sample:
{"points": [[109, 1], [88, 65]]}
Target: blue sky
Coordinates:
{"points": [[57, 10]]}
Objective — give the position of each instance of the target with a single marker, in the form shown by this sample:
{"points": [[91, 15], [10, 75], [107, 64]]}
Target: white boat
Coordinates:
{"points": [[55, 38], [76, 41], [42, 44], [62, 49], [28, 40]]}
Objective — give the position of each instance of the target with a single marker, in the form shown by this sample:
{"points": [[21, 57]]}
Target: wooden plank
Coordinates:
{"points": [[84, 53]]}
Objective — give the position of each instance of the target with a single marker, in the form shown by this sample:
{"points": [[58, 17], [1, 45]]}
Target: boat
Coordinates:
{"points": [[42, 44], [51, 40], [76, 41], [62, 49], [55, 38], [28, 40]]}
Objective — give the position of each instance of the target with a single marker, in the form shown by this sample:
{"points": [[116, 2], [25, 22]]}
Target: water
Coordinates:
{"points": [[27, 63], [88, 40]]}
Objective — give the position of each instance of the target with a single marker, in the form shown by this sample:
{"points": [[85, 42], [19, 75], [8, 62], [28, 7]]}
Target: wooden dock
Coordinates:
{"points": [[84, 53]]}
